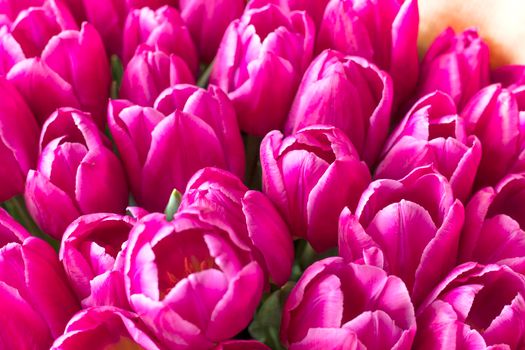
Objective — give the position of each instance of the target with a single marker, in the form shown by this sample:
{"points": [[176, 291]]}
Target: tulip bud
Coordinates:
{"points": [[34, 25], [472, 308], [189, 281], [270, 44], [73, 71], [36, 300], [495, 225], [349, 93], [383, 32], [223, 200], [457, 65], [76, 174], [105, 328], [310, 177], [493, 116], [154, 146], [433, 134], [150, 72], [91, 252], [207, 21], [163, 30], [18, 141], [336, 305], [410, 228]]}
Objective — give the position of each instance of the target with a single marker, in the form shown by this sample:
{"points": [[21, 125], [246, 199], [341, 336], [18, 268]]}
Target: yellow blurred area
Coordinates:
{"points": [[501, 24]]}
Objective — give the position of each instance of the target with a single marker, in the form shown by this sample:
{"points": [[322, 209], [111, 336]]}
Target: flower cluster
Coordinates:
{"points": [[270, 174]]}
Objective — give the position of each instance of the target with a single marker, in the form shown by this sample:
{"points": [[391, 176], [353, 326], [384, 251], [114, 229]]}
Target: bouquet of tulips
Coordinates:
{"points": [[254, 175]]}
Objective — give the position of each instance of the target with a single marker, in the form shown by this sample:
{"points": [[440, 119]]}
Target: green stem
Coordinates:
{"points": [[252, 145], [205, 76]]}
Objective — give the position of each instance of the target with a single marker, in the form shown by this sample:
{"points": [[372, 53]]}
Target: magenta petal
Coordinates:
{"points": [[32, 75], [59, 209], [237, 307], [328, 339], [101, 170], [270, 236]]}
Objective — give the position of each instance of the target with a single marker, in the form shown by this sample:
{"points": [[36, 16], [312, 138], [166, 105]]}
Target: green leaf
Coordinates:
{"points": [[117, 71], [173, 204], [267, 321]]}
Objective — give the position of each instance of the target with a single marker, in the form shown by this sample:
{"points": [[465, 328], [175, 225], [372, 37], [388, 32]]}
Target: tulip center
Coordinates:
{"points": [[179, 256], [124, 343]]}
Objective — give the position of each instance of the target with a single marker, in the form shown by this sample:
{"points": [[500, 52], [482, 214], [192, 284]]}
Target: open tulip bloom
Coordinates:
{"points": [[257, 175]]}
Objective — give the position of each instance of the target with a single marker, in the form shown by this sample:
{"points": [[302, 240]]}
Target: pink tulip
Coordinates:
{"points": [[10, 230], [265, 45], [105, 328], [493, 115], [155, 146], [207, 20], [76, 174], [495, 225], [34, 23], [190, 282], [18, 141], [410, 228], [223, 200], [349, 93], [310, 177], [164, 30], [36, 301], [91, 252], [382, 31], [73, 71], [150, 72], [474, 307], [433, 134], [340, 306], [456, 64]]}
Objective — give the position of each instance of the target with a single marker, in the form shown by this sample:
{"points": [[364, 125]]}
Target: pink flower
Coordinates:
{"points": [[163, 30], [493, 115], [91, 252], [189, 281], [18, 141], [433, 134], [410, 228], [223, 200], [456, 64], [36, 300], [495, 224], [266, 45], [383, 32], [310, 177], [474, 307], [349, 93], [103, 328], [77, 173], [155, 146], [73, 71], [150, 72], [339, 306], [207, 20]]}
